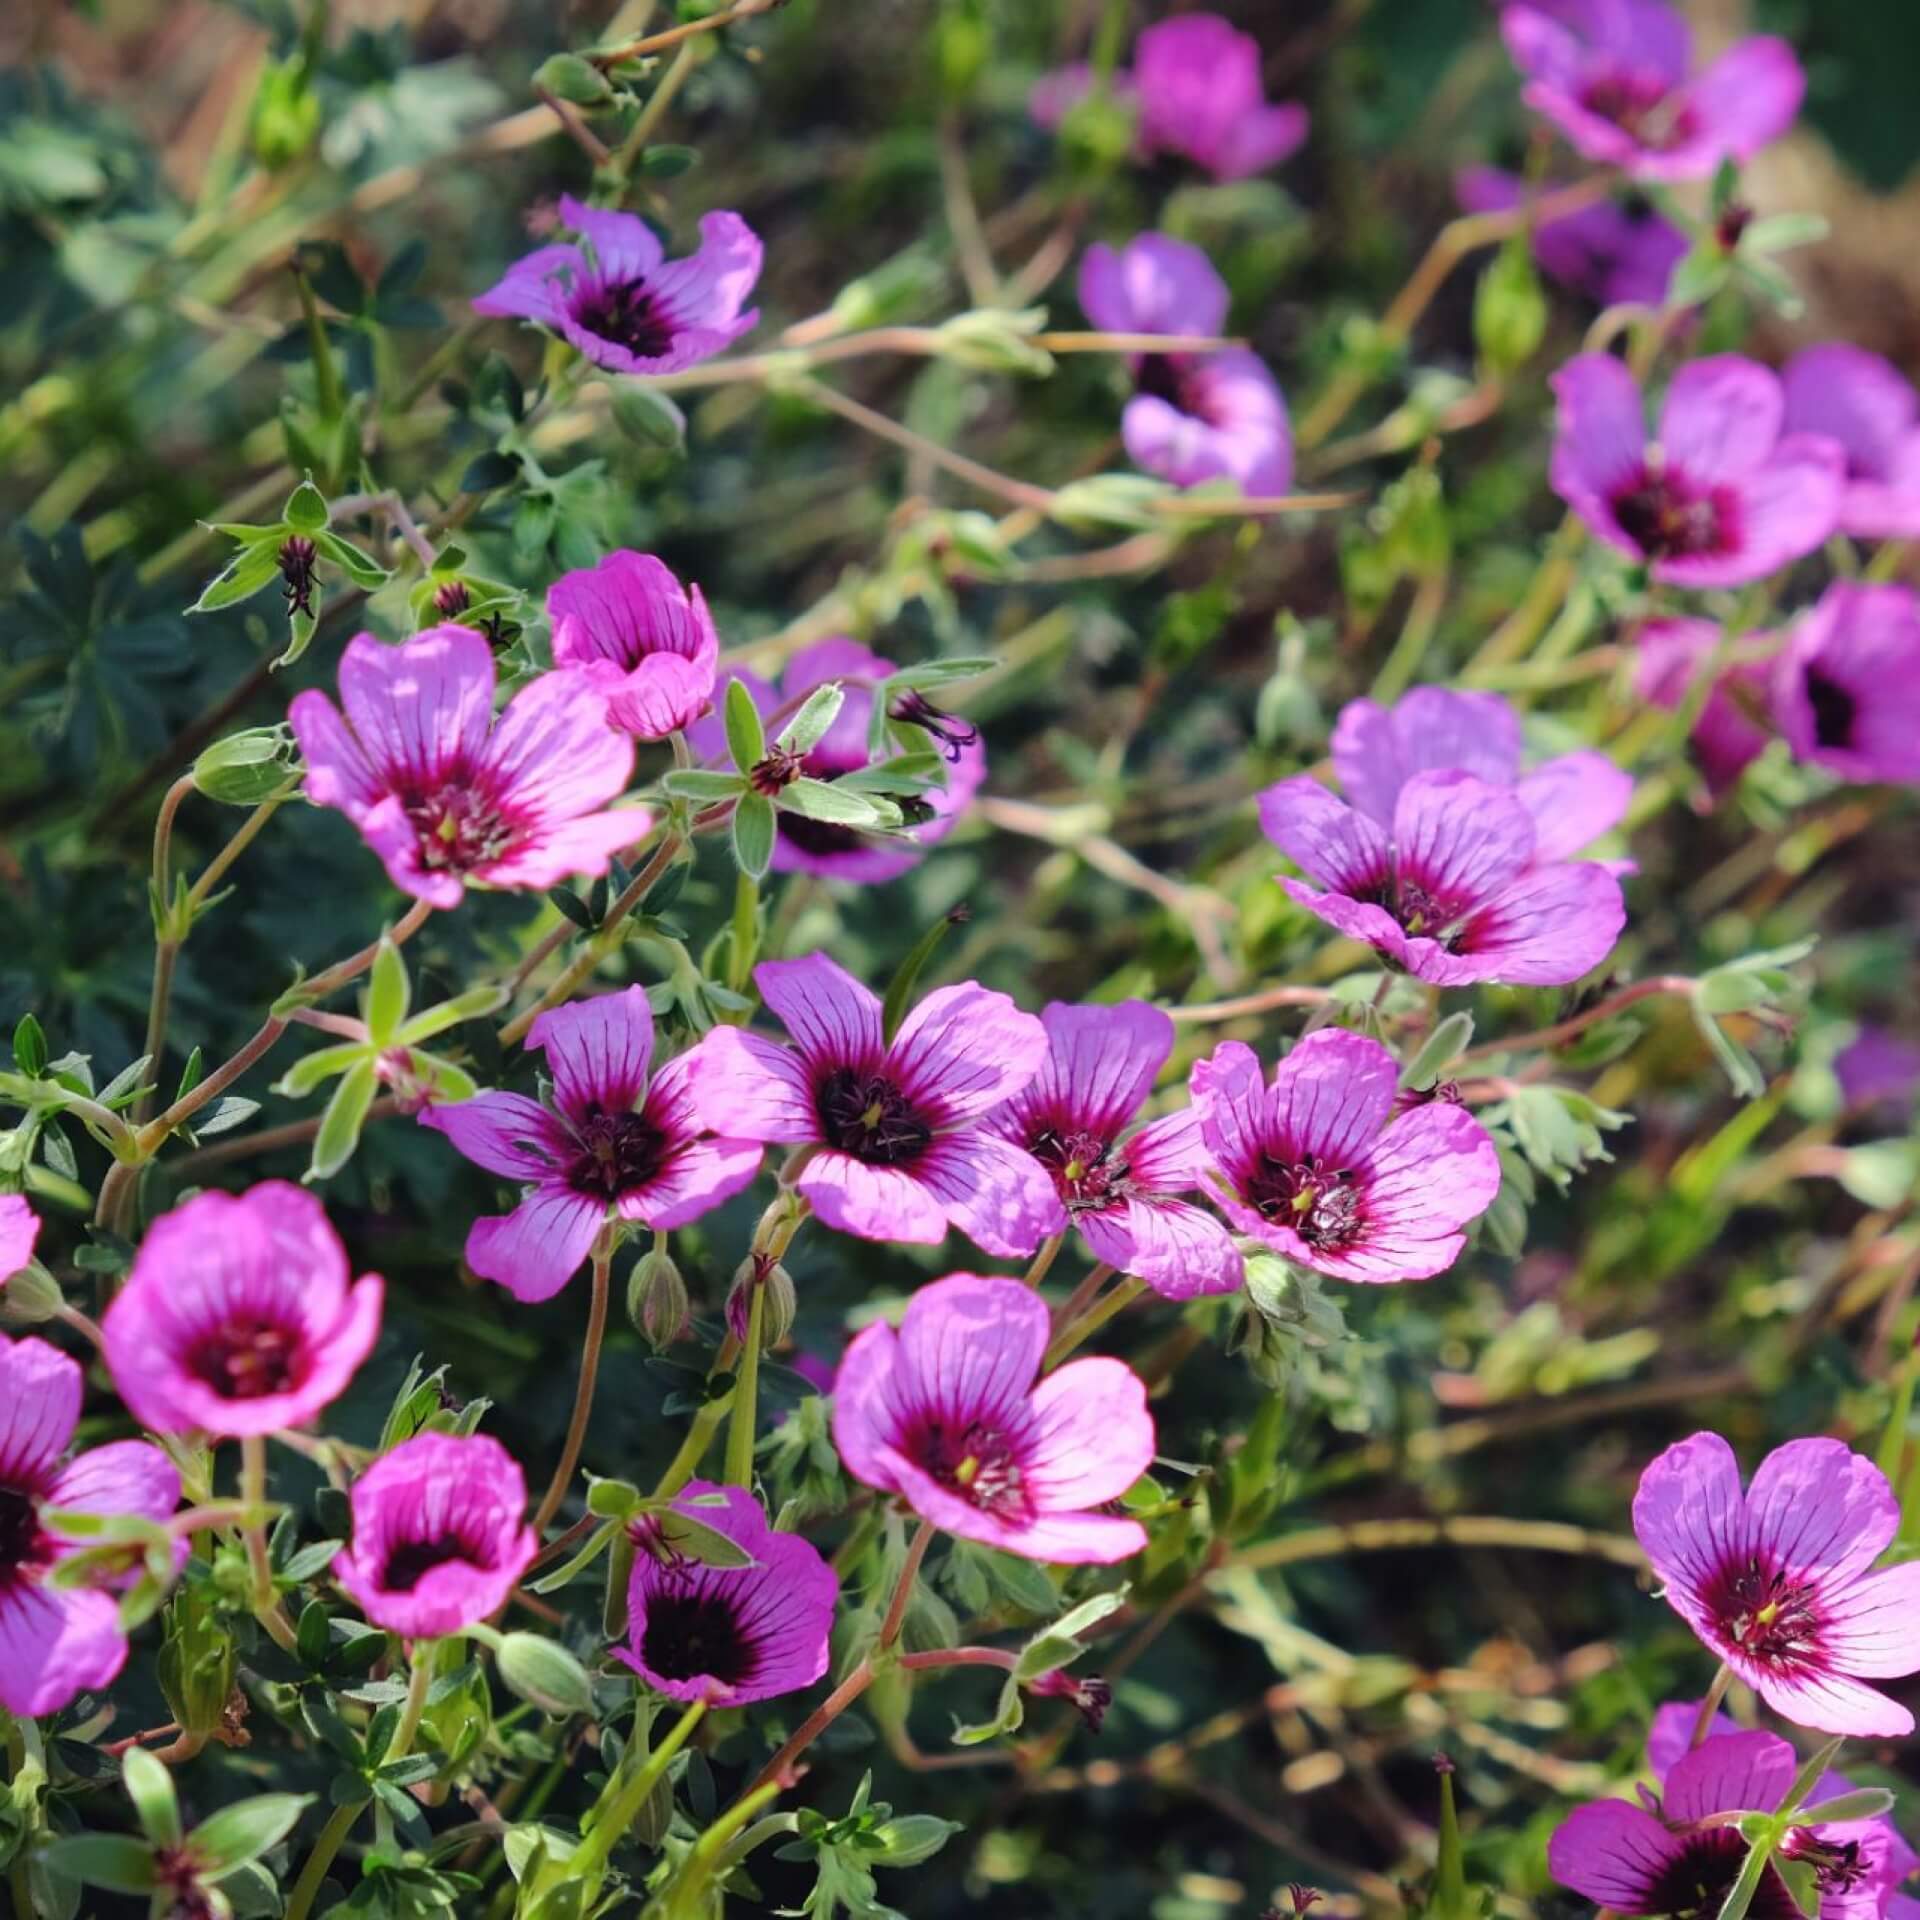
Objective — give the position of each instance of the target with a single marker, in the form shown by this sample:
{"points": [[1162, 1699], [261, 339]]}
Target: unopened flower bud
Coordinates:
{"points": [[1088, 1694], [31, 1295], [657, 1299], [451, 597], [776, 1314]]}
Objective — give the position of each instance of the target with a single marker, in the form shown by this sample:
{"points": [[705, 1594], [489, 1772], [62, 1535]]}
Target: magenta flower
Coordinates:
{"points": [[446, 794], [1572, 800], [55, 1642], [238, 1316], [1661, 1857], [1779, 1583], [1876, 1068], [1846, 689], [900, 1148], [946, 1413], [1730, 730], [1197, 90], [1455, 891], [1616, 77], [642, 639], [1194, 416], [1616, 252], [19, 1229], [438, 1535], [1860, 400], [1319, 1167], [613, 1141], [821, 846], [1721, 497], [728, 1635], [621, 303], [1121, 1190]]}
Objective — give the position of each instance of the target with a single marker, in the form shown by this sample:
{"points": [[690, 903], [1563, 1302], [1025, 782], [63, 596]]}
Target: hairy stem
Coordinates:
{"points": [[583, 1393]]}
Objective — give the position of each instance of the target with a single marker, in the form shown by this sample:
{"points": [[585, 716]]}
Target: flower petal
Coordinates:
{"points": [[1601, 437], [1331, 842], [1690, 1516], [55, 1645], [834, 1020], [969, 1349], [1574, 800], [1552, 925], [1092, 1436], [552, 755], [1100, 1065], [1613, 1852], [625, 248], [505, 1133], [1824, 1511], [1376, 750], [420, 710], [598, 1051], [1739, 1772], [536, 1249], [40, 1391], [1459, 838], [1872, 1626], [964, 1050], [872, 1202], [1180, 1250], [999, 1196], [747, 1087], [1331, 1096]]}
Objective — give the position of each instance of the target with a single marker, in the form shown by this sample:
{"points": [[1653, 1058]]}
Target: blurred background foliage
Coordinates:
{"points": [[166, 165]]}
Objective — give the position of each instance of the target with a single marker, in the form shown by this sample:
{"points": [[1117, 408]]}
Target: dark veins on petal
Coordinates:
{"points": [[1320, 1203], [1771, 1619], [618, 1152], [247, 1357], [626, 313], [1696, 1881], [866, 1115], [1834, 710], [694, 1632]]}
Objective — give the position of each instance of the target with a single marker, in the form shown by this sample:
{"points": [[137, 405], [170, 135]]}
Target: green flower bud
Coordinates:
{"points": [[32, 1295], [545, 1673], [657, 1299]]}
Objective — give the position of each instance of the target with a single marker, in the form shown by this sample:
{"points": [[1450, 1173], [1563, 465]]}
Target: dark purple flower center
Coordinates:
{"points": [[1174, 378], [1770, 1618], [460, 828], [1639, 103], [247, 1357], [412, 1560], [1668, 519], [1089, 1173], [1320, 1203], [626, 313], [618, 1152], [24, 1547], [695, 1631], [978, 1462], [869, 1117], [1694, 1884], [1834, 710]]}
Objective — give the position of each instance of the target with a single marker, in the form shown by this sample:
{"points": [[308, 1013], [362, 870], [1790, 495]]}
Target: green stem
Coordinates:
{"points": [[620, 1806], [326, 380], [1703, 1720], [253, 1493], [693, 1449], [307, 1887], [1090, 1322], [583, 1394], [419, 1680], [18, 1881], [746, 1395]]}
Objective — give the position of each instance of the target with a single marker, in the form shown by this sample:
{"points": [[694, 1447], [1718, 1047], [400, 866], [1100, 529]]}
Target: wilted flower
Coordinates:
{"points": [[729, 1635], [1664, 1858], [239, 1316], [641, 638], [1617, 251], [1877, 1068], [947, 1414], [1616, 77], [1720, 497], [1729, 730], [1089, 1694], [619, 301], [1780, 1582], [1194, 416], [438, 1535], [56, 1642], [19, 1229], [1864, 403], [1121, 1190], [615, 1139], [1197, 89], [1846, 689], [901, 1151], [823, 846], [1318, 1167], [1456, 889], [445, 793]]}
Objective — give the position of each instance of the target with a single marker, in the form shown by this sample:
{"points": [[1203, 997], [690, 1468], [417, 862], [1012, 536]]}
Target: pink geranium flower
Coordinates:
{"points": [[1780, 1582], [641, 638], [239, 1316], [438, 1535], [1864, 403], [19, 1229], [56, 1642], [614, 1141], [1846, 689], [728, 1635], [1121, 1189], [1197, 90], [620, 302], [1616, 77], [1616, 252], [946, 1413], [1319, 1167], [1877, 1068], [900, 1151], [1729, 731], [446, 794], [822, 846], [1661, 1857], [1720, 497], [1194, 416]]}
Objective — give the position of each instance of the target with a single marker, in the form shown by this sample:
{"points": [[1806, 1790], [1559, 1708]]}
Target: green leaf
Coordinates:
{"points": [[672, 1532], [666, 162], [830, 801], [702, 786], [306, 509], [323, 1063], [941, 673], [1442, 1047], [340, 1125], [115, 1861], [471, 1005], [358, 565], [808, 727], [746, 737], [389, 994], [150, 1787], [753, 830], [244, 576], [29, 1047], [246, 1830]]}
